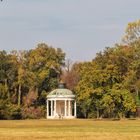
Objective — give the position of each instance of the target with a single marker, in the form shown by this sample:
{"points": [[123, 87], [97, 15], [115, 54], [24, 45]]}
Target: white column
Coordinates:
{"points": [[54, 107], [51, 107], [69, 109], [65, 108], [47, 108], [75, 108]]}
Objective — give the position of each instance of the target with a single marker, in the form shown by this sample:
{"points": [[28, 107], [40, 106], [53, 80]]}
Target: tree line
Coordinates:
{"points": [[106, 87]]}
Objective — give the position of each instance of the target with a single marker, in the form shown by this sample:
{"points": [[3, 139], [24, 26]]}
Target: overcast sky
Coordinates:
{"points": [[80, 27]]}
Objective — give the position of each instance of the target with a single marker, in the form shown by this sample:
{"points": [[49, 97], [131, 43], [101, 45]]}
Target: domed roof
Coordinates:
{"points": [[62, 92]]}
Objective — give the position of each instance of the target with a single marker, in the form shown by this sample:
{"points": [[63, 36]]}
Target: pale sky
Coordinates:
{"points": [[81, 28]]}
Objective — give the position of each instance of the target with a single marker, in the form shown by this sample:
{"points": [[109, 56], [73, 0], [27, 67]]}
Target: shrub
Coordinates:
{"points": [[33, 113]]}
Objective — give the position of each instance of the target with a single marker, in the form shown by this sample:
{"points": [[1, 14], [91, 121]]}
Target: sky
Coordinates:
{"points": [[81, 28]]}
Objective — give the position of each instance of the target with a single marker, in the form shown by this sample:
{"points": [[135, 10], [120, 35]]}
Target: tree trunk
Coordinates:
{"points": [[19, 95], [138, 112], [138, 107], [98, 115], [6, 89]]}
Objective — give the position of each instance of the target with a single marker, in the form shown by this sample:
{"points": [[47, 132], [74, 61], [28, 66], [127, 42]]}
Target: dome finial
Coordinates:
{"points": [[61, 84]]}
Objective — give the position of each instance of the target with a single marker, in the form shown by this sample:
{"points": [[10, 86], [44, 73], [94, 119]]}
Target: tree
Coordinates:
{"points": [[98, 80], [21, 72], [132, 32], [70, 74], [40, 63]]}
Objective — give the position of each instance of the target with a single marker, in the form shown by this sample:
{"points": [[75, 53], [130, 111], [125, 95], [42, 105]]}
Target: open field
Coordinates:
{"points": [[78, 129]]}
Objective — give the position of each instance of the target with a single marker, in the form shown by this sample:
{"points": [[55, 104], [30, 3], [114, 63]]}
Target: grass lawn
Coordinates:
{"points": [[78, 129]]}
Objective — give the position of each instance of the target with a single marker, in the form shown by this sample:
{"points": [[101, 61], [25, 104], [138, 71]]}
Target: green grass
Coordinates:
{"points": [[78, 129]]}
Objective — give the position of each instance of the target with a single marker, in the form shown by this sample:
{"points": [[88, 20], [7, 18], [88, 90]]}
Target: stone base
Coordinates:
{"points": [[61, 117]]}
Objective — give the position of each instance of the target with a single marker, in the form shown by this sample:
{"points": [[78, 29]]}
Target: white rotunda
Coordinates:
{"points": [[61, 104]]}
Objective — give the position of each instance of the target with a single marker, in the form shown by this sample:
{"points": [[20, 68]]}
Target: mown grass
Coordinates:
{"points": [[78, 129]]}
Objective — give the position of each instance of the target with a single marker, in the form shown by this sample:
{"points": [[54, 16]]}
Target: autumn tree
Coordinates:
{"points": [[132, 32]]}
